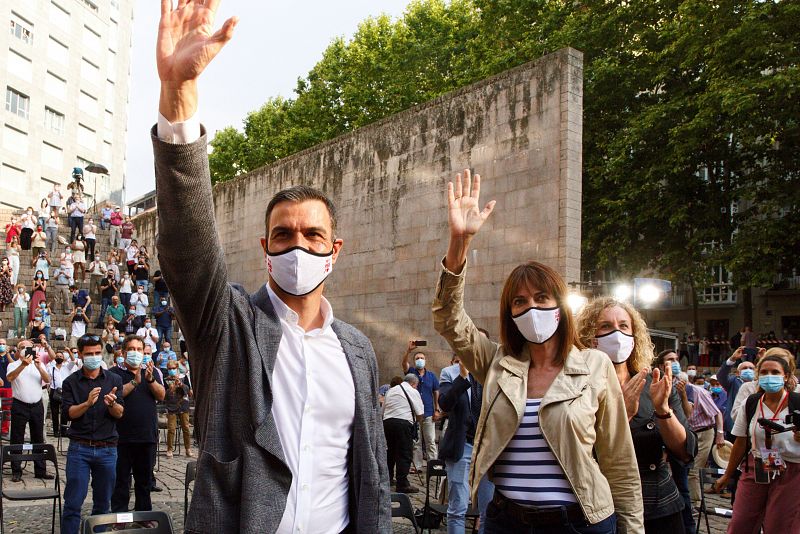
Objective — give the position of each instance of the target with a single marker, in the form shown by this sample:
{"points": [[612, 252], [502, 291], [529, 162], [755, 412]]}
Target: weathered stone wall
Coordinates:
{"points": [[521, 130]]}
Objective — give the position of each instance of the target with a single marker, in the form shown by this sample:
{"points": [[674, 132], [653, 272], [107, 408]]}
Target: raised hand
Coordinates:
{"points": [[185, 46], [660, 389], [464, 213]]}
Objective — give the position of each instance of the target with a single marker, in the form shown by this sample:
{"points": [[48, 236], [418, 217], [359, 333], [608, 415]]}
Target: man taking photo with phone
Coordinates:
{"points": [[26, 376], [429, 391]]}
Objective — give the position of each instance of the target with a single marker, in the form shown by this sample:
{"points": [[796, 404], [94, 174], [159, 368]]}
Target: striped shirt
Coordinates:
{"points": [[527, 471], [705, 411]]}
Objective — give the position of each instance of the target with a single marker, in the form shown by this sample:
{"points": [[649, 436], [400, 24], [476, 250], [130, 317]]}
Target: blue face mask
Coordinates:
{"points": [[419, 363], [120, 360], [92, 362], [707, 385], [147, 359], [748, 375], [3, 348], [134, 358], [771, 383], [676, 368], [173, 372], [716, 389]]}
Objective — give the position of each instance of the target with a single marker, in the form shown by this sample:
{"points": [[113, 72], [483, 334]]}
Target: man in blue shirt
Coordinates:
{"points": [[429, 391], [165, 356], [163, 314]]}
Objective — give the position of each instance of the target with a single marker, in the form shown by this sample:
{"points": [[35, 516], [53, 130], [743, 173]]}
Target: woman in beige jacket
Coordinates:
{"points": [[553, 433]]}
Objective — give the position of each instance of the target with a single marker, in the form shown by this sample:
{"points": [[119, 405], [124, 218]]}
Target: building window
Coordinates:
{"points": [[15, 179], [91, 40], [20, 66], [17, 103], [15, 140], [91, 5], [87, 104], [59, 17], [53, 156], [54, 121], [21, 30], [57, 51], [87, 137], [721, 290], [90, 72], [55, 86]]}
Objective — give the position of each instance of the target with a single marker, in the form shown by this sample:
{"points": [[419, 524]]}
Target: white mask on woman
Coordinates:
{"points": [[298, 271], [617, 345], [537, 325]]}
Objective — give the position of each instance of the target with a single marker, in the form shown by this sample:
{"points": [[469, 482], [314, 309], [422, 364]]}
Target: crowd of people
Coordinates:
{"points": [[77, 378]]}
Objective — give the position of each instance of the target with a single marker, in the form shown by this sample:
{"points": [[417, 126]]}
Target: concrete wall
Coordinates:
{"points": [[521, 130]]}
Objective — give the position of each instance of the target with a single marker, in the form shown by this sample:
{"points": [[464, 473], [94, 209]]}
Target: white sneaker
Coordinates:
{"points": [[169, 453]]}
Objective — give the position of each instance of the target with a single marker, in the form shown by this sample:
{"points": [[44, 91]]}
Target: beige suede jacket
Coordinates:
{"points": [[581, 415]]}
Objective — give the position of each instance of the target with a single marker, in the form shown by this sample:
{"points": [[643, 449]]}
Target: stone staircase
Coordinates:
{"points": [[27, 271]]}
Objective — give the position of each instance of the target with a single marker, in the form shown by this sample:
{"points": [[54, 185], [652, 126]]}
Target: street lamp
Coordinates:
{"points": [[648, 294], [623, 292], [576, 302]]}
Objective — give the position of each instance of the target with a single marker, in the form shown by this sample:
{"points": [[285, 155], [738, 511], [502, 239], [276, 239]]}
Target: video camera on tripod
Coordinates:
{"points": [[77, 176]]}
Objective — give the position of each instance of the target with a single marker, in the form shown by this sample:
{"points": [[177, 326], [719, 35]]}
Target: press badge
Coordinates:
{"points": [[769, 466]]}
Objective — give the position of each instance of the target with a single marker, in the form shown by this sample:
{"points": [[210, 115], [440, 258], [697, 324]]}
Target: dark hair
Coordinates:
{"points": [[395, 381], [787, 371], [662, 355], [88, 340], [300, 193], [537, 275], [130, 339]]}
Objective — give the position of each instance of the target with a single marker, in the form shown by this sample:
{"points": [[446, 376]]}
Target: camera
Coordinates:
{"points": [[30, 351], [420, 343]]}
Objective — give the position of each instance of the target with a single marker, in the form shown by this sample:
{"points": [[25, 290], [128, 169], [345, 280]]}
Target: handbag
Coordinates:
{"points": [[415, 424]]}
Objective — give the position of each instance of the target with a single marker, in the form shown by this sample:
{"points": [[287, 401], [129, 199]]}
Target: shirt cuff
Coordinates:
{"points": [[730, 362], [181, 133]]}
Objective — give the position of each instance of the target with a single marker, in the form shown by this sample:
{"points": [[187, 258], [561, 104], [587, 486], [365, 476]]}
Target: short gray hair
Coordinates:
{"points": [[411, 378]]}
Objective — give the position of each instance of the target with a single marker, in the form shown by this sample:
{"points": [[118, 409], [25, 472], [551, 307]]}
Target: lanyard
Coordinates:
{"points": [[775, 417]]}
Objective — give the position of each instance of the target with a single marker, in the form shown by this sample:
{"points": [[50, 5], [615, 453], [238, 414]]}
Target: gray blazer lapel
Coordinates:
{"points": [[268, 334]]}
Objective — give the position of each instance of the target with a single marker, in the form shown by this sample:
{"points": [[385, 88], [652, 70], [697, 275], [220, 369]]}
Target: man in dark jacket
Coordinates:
{"points": [[460, 398], [274, 457]]}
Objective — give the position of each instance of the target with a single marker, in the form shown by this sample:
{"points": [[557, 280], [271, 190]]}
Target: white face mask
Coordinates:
{"points": [[691, 373], [537, 325], [617, 345], [298, 271]]}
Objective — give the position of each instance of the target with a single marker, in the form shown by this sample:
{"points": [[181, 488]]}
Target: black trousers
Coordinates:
{"points": [[23, 414], [55, 413], [671, 524], [399, 449], [75, 227], [90, 243], [136, 458], [25, 236]]}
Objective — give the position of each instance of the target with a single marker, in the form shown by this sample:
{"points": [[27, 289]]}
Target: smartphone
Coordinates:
{"points": [[420, 343], [749, 354], [30, 351]]}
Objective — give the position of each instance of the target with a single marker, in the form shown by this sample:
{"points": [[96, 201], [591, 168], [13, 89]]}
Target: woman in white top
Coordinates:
{"points": [[20, 300], [125, 289], [12, 252], [44, 212], [51, 231], [79, 257], [766, 495], [55, 198], [66, 264], [28, 220], [748, 388], [90, 234]]}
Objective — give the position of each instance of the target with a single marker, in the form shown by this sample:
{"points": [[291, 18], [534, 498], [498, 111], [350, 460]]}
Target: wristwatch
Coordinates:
{"points": [[667, 415], [134, 383]]}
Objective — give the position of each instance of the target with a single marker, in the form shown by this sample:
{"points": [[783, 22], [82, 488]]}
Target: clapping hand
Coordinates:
{"points": [[111, 397], [148, 372], [631, 392], [660, 389], [94, 394]]}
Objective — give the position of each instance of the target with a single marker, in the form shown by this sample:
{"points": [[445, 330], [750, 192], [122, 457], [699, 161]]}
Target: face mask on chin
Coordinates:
{"points": [[298, 271], [537, 325], [617, 345]]}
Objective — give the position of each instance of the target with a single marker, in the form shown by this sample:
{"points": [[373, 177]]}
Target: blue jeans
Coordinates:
{"points": [[499, 523], [458, 496], [82, 460], [164, 334]]}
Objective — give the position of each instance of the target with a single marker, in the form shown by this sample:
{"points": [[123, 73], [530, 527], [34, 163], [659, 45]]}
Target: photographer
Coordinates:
{"points": [[59, 369], [766, 494], [177, 401], [26, 376], [79, 321]]}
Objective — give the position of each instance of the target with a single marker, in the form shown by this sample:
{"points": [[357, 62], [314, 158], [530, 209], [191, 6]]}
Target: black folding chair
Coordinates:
{"points": [[401, 507], [708, 476], [30, 452], [191, 474], [163, 523], [5, 404]]}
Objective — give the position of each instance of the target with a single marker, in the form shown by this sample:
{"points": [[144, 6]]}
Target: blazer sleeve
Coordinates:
{"points": [[450, 392], [189, 250], [452, 322]]}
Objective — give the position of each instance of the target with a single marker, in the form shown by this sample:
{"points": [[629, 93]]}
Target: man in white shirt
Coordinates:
{"points": [[150, 335], [59, 369], [26, 376], [78, 319], [402, 407], [141, 301]]}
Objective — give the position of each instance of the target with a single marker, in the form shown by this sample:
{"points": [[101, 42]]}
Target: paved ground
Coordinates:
{"points": [[20, 517]]}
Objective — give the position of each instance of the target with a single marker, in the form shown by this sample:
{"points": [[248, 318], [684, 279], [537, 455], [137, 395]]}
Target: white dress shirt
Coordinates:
{"points": [[59, 374], [313, 404], [27, 387]]}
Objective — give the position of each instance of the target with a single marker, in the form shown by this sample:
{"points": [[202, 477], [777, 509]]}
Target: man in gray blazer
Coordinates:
{"points": [[287, 403]]}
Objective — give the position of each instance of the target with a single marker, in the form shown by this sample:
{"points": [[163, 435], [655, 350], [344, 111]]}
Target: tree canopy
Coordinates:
{"points": [[691, 113]]}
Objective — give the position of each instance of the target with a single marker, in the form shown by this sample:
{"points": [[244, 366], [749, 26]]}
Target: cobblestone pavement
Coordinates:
{"points": [[31, 518]]}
